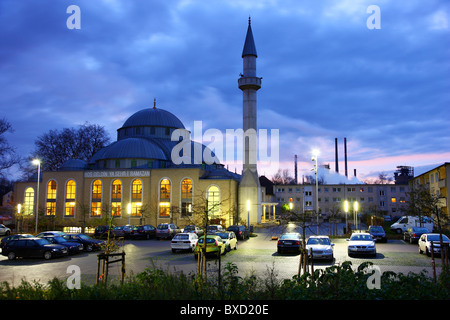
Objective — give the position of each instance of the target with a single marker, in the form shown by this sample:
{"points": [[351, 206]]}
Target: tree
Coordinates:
{"points": [[55, 147], [8, 156], [282, 177]]}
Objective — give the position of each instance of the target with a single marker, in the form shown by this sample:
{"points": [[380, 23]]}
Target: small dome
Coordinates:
{"points": [[153, 117], [74, 164], [130, 148]]}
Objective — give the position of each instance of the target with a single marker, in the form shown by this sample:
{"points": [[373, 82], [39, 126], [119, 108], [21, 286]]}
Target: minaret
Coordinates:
{"points": [[249, 83]]}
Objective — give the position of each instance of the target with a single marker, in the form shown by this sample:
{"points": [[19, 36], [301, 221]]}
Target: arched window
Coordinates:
{"points": [[96, 204], [164, 198], [186, 197], [136, 198], [69, 204], [28, 203], [213, 199], [116, 198], [51, 198]]}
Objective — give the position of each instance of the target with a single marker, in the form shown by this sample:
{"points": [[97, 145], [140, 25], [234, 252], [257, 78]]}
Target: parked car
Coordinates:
{"points": [[411, 221], [4, 230], [33, 248], [214, 245], [50, 233], [377, 233], [194, 229], [425, 243], [321, 247], [143, 232], [213, 228], [184, 241], [5, 240], [289, 242], [241, 232], [122, 231], [102, 231], [229, 238], [166, 230], [361, 243], [73, 247], [88, 243], [413, 234]]}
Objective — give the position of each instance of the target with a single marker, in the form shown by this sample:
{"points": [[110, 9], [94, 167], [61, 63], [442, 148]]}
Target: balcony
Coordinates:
{"points": [[249, 83], [442, 183]]}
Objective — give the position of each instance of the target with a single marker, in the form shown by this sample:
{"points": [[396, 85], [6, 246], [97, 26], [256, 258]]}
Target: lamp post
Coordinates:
{"points": [[346, 211], [355, 209], [38, 163], [315, 154], [129, 212], [248, 214]]}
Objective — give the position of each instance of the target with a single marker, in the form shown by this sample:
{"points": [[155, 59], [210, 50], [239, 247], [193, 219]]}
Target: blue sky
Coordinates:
{"points": [[326, 75]]}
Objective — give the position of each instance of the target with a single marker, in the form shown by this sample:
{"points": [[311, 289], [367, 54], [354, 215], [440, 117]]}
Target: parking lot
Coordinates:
{"points": [[254, 256]]}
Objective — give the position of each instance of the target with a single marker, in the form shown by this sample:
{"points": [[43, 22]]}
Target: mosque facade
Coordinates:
{"points": [[135, 180]]}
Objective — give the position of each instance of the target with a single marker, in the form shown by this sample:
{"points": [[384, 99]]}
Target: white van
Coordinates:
{"points": [[406, 222]]}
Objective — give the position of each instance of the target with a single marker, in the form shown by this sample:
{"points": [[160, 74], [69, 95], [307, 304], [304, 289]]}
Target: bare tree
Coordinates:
{"points": [[283, 177], [8, 156]]}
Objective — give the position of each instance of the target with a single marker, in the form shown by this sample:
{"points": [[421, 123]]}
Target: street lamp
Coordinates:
{"points": [[346, 211], [38, 163], [355, 209], [248, 214], [315, 154]]}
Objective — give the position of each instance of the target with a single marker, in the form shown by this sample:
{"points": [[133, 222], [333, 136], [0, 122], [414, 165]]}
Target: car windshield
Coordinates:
{"points": [[208, 240], [59, 239], [322, 241], [361, 237], [181, 237], [189, 228], [417, 229], [223, 235], [436, 237], [42, 241], [376, 229], [289, 236], [163, 226], [85, 237]]}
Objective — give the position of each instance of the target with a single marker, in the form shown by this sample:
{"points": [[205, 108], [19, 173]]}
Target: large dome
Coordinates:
{"points": [[153, 117]]}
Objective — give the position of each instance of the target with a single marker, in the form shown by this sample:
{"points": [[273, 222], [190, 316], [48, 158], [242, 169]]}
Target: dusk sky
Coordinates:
{"points": [[326, 75]]}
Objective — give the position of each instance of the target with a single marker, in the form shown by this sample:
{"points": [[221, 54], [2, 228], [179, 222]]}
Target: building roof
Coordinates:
{"points": [[153, 117], [74, 165], [249, 45]]}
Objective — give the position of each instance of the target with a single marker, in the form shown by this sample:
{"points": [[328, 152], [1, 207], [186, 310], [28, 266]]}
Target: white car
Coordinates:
{"points": [[361, 243], [321, 247], [184, 241], [425, 243], [4, 231]]}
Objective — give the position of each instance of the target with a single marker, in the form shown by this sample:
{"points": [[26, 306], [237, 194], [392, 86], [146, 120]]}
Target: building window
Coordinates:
{"points": [[117, 164], [136, 198], [116, 198], [186, 198], [51, 198], [96, 203], [393, 200], [28, 203], [164, 198], [212, 198], [133, 163], [69, 205]]}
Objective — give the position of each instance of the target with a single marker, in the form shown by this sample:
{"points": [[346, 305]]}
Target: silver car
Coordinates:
{"points": [[321, 247], [361, 243], [4, 231], [425, 243]]}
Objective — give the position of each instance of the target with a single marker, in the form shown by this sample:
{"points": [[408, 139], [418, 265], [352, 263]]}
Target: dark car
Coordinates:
{"points": [[122, 231], [143, 232], [5, 240], [88, 243], [102, 231], [33, 248], [289, 242], [377, 233], [413, 234], [73, 247], [241, 232]]}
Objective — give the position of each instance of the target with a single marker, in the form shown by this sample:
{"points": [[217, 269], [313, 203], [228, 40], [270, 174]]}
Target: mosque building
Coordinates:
{"points": [[136, 181]]}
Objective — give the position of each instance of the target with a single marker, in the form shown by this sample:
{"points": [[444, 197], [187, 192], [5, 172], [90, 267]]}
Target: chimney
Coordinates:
{"points": [[336, 154], [295, 169], [354, 172], [345, 153]]}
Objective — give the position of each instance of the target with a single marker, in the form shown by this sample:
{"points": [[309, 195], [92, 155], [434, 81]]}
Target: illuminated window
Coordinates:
{"points": [[393, 200], [28, 203], [51, 198], [186, 198], [116, 209], [136, 198], [69, 206], [116, 198], [164, 198], [212, 198], [96, 203]]}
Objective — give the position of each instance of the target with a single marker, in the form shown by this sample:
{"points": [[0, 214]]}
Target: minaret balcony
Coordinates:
{"points": [[249, 83]]}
